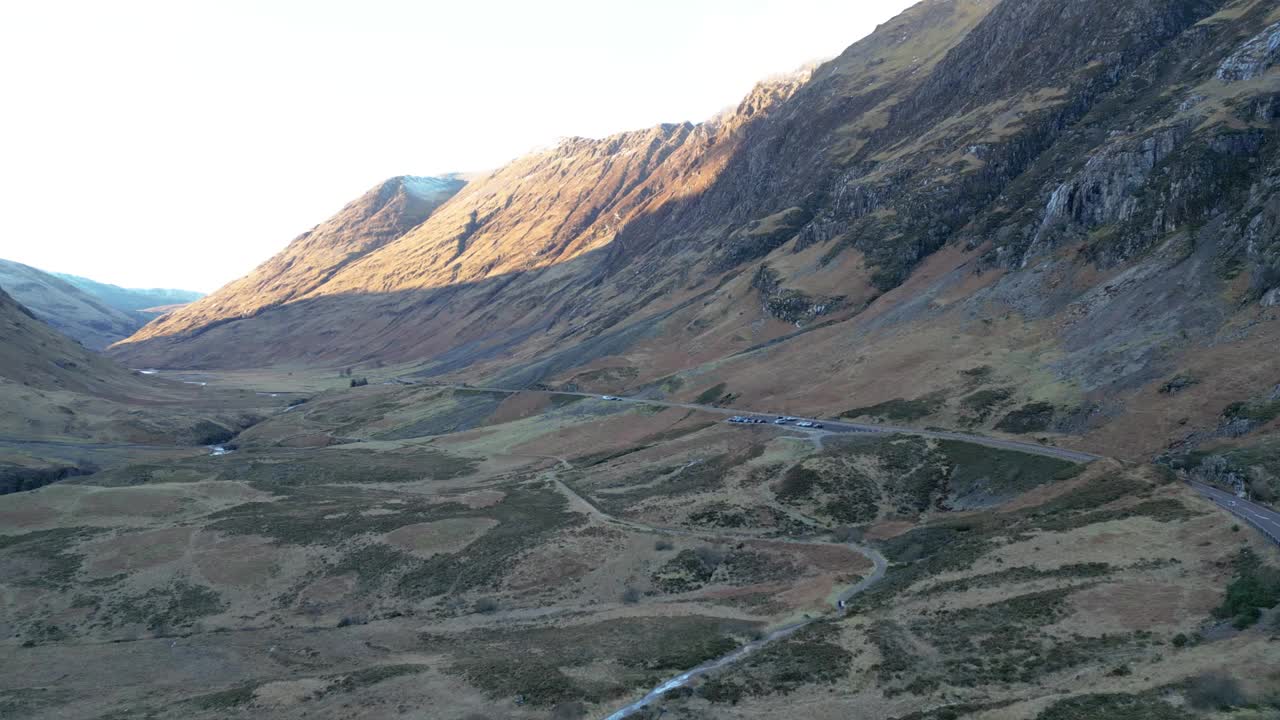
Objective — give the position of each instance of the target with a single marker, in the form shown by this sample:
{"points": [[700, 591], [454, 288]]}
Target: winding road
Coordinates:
{"points": [[1266, 520], [829, 426]]}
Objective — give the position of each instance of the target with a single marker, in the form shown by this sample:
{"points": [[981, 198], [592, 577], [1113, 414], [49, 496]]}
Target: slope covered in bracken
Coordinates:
{"points": [[1021, 216]]}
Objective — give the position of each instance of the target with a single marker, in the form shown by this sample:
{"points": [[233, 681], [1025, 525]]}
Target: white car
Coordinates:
{"points": [[609, 397]]}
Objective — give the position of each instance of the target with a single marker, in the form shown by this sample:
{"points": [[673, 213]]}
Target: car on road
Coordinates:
{"points": [[610, 397]]}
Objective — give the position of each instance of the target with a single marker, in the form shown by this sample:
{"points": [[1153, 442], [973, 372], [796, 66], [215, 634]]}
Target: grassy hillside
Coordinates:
{"points": [[78, 314]]}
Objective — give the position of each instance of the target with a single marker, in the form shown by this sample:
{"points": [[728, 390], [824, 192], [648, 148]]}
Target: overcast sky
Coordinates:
{"points": [[180, 143]]}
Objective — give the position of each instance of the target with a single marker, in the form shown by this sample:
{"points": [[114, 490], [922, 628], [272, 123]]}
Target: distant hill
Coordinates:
{"points": [[78, 314], [54, 388], [133, 300]]}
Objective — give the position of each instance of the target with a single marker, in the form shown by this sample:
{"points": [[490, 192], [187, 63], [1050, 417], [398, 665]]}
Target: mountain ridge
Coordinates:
{"points": [[132, 300], [950, 169]]}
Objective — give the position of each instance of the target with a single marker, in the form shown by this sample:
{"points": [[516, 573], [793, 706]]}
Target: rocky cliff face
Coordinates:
{"points": [[1078, 197]]}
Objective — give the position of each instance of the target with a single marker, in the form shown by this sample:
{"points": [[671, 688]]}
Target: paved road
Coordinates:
{"points": [[835, 426], [1266, 520]]}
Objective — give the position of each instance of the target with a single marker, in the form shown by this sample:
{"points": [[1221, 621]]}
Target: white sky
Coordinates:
{"points": [[180, 143]]}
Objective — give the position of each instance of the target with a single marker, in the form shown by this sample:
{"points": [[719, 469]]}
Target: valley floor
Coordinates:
{"points": [[449, 552]]}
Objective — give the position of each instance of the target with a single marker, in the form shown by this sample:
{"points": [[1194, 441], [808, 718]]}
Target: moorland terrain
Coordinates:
{"points": [[1019, 258]]}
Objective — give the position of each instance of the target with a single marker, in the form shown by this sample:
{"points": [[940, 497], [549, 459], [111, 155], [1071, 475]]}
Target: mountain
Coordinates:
{"points": [[67, 398], [378, 217], [1021, 217], [74, 312], [35, 355], [133, 300]]}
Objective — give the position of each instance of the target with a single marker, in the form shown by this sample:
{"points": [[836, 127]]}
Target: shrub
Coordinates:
{"points": [[1212, 691], [899, 409], [1032, 417], [662, 545], [983, 402], [710, 556], [631, 596], [797, 483], [1254, 588], [359, 382], [1178, 383], [1180, 640], [486, 605], [710, 395]]}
